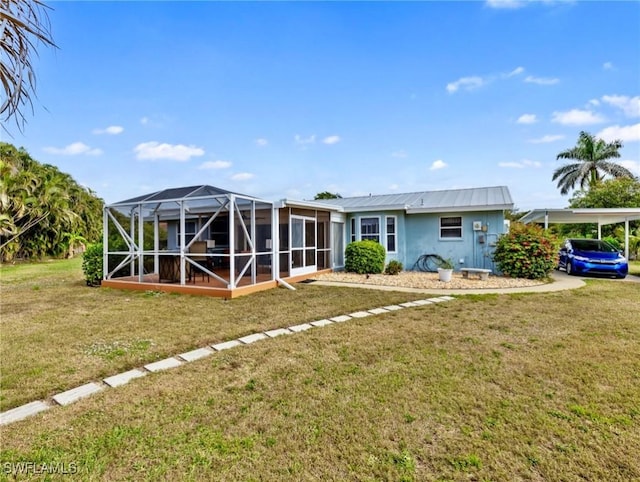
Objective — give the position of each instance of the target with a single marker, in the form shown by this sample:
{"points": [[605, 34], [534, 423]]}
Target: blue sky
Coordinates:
{"points": [[287, 99]]}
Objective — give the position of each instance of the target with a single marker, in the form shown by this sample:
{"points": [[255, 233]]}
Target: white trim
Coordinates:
{"points": [[450, 238], [379, 234], [353, 229], [394, 234], [304, 269], [316, 205]]}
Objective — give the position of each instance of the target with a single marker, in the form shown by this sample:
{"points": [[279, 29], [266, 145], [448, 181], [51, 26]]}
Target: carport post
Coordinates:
{"points": [[626, 238]]}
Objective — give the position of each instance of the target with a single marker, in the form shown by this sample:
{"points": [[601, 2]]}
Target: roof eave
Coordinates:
{"points": [[283, 203], [456, 209]]}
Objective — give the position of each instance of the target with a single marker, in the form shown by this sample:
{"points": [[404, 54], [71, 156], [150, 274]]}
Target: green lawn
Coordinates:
{"points": [[492, 387], [634, 267]]}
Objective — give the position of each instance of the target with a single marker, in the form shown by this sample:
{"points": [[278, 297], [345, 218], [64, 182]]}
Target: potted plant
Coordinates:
{"points": [[445, 269]]}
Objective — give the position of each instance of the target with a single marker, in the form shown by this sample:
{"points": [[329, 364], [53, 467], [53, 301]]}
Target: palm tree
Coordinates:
{"points": [[593, 165], [23, 24]]}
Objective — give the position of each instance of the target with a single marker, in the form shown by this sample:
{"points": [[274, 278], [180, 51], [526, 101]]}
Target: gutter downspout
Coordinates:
{"points": [[282, 282]]}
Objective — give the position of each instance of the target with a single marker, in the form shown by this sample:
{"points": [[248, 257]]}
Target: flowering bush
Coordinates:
{"points": [[526, 251]]}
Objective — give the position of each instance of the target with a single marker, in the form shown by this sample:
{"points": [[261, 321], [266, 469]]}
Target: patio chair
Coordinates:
{"points": [[198, 247]]}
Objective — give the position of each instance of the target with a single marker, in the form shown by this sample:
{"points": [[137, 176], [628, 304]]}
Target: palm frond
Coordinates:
{"points": [[23, 24], [593, 154]]}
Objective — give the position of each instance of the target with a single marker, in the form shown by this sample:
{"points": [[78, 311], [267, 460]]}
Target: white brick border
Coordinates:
{"points": [[70, 396]]}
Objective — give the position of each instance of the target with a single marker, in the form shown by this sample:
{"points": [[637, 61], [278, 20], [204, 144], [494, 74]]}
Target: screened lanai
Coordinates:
{"points": [[206, 240]]}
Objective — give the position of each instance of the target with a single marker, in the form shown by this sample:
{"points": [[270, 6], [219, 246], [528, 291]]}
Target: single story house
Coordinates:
{"points": [[458, 224], [206, 240]]}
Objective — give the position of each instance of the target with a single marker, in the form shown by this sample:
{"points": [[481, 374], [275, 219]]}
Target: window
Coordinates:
{"points": [[391, 234], [370, 229], [353, 230], [451, 227], [189, 232]]}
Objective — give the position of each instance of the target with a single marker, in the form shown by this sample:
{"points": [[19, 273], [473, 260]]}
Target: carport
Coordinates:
{"points": [[599, 216]]}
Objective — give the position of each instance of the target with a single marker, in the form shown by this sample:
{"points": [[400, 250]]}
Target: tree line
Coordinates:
{"points": [[43, 211]]}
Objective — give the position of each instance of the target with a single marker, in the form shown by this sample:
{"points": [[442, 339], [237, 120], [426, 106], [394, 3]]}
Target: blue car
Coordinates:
{"points": [[592, 256]]}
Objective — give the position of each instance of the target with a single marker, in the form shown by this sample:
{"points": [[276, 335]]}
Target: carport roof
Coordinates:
{"points": [[600, 216]]}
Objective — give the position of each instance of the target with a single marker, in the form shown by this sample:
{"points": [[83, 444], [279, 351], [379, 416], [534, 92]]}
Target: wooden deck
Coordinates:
{"points": [[202, 286]]}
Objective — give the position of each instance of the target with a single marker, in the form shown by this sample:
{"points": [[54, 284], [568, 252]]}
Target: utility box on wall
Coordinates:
{"points": [[477, 225]]}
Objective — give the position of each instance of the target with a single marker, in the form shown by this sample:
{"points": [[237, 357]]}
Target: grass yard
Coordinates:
{"points": [[492, 387], [634, 268], [57, 333]]}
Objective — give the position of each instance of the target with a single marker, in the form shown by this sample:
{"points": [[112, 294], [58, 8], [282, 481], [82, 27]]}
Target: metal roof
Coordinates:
{"points": [[450, 200], [576, 216]]}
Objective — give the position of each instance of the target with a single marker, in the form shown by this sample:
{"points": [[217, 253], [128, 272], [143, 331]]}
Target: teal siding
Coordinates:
{"points": [[400, 216], [419, 234]]}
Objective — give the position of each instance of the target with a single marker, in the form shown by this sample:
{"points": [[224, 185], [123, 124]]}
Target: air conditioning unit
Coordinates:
{"points": [[477, 225]]}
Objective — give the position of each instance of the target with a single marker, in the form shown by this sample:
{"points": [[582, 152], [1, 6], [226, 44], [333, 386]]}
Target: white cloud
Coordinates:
{"points": [[633, 166], [546, 139], [74, 149], [466, 83], [541, 80], [175, 152], [629, 105], [394, 187], [607, 66], [505, 4], [516, 71], [112, 130], [595, 102], [242, 176], [331, 140], [262, 142], [527, 119], [576, 117], [436, 165], [624, 133], [399, 154], [521, 164], [215, 165], [305, 140], [144, 121]]}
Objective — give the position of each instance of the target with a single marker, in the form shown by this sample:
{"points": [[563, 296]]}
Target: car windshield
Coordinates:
{"points": [[592, 245]]}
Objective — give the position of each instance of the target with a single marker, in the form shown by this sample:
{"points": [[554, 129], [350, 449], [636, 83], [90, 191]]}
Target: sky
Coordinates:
{"points": [[288, 99]]}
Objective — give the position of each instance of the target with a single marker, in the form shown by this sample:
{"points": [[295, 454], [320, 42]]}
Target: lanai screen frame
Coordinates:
{"points": [[156, 209]]}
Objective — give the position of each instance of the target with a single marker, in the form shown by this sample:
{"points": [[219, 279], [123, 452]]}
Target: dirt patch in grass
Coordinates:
{"points": [[490, 387]]}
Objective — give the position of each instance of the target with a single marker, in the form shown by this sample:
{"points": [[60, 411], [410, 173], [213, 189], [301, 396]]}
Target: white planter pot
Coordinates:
{"points": [[445, 274]]}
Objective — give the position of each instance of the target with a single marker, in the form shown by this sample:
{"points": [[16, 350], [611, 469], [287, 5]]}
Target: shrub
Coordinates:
{"points": [[364, 257], [526, 251], [445, 263], [92, 264], [394, 267], [614, 242]]}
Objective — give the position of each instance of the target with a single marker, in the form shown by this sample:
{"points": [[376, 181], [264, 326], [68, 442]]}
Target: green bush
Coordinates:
{"points": [[394, 267], [92, 264], [364, 257], [526, 251]]}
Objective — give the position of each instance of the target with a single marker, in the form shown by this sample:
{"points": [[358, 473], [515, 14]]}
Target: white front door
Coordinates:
{"points": [[303, 245]]}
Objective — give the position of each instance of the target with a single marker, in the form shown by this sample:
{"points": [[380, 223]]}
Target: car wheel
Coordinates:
{"points": [[569, 268]]}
